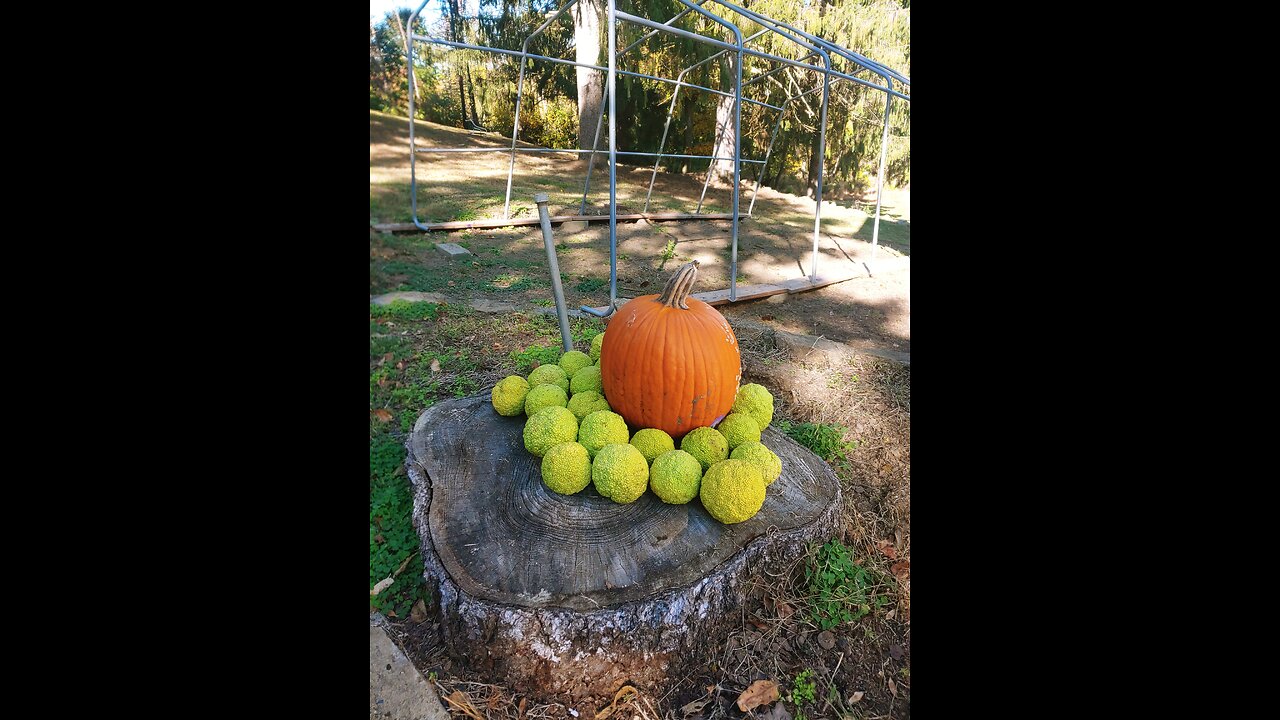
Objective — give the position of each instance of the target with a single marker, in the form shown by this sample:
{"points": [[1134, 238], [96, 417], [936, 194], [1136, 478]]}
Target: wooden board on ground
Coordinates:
{"points": [[755, 292], [474, 224], [572, 593]]}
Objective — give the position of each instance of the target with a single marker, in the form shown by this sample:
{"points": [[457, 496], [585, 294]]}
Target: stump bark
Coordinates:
{"points": [[556, 595]]}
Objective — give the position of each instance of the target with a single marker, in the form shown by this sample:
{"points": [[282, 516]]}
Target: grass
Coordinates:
{"points": [[405, 310], [840, 589], [826, 441], [392, 539]]}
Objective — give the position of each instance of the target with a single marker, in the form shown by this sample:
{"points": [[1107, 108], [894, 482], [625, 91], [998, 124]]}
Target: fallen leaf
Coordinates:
{"points": [[418, 613], [826, 639], [886, 547], [755, 621], [383, 584], [760, 692], [896, 651], [893, 688], [382, 414], [524, 702], [785, 611], [892, 614], [901, 569], [392, 613], [856, 697], [766, 317], [435, 362], [897, 536]]}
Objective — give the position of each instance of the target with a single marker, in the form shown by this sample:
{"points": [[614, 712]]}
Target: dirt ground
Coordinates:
{"points": [[872, 310]]}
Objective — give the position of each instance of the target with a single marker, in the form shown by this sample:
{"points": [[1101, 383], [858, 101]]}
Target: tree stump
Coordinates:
{"points": [[556, 595]]}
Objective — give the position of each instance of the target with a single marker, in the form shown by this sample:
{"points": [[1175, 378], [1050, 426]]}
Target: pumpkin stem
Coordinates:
{"points": [[678, 287]]}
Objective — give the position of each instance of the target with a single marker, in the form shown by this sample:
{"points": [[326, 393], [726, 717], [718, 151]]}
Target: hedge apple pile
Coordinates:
{"points": [[668, 366]]}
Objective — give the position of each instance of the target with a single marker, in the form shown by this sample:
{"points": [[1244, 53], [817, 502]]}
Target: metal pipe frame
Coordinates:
{"points": [[574, 151], [816, 46]]}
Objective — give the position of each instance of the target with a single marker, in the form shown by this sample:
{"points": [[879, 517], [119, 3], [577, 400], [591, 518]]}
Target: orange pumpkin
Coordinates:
{"points": [[670, 361]]}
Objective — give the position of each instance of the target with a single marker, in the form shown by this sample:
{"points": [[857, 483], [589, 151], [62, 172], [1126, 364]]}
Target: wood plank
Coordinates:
{"points": [[745, 292], [474, 224], [802, 284], [755, 292]]}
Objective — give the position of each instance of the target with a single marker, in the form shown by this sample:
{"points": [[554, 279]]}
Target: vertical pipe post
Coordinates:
{"points": [[556, 289], [413, 152], [822, 160], [515, 130], [884, 147], [613, 154], [737, 173]]}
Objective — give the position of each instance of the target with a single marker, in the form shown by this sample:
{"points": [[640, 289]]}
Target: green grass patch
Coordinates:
{"points": [[391, 536], [406, 310], [840, 590], [824, 440], [587, 284]]}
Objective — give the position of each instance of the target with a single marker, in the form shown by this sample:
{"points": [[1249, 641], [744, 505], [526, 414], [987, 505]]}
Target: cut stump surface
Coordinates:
{"points": [[556, 593]]}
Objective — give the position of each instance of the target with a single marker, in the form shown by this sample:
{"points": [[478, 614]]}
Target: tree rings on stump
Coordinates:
{"points": [[555, 595]]}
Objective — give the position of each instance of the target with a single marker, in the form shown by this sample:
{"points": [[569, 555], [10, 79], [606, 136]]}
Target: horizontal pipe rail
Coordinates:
{"points": [[570, 150], [562, 61]]}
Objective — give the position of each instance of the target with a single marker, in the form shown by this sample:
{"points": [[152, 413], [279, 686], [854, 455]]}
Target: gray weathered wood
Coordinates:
{"points": [[755, 292], [556, 594], [504, 222]]}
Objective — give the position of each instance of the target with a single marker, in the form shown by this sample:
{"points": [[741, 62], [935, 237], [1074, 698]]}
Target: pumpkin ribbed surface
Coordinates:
{"points": [[667, 367]]}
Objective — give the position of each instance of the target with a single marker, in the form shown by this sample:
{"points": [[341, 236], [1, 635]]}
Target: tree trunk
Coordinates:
{"points": [[471, 92], [573, 595], [815, 157], [586, 33], [462, 99], [726, 127], [728, 131]]}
